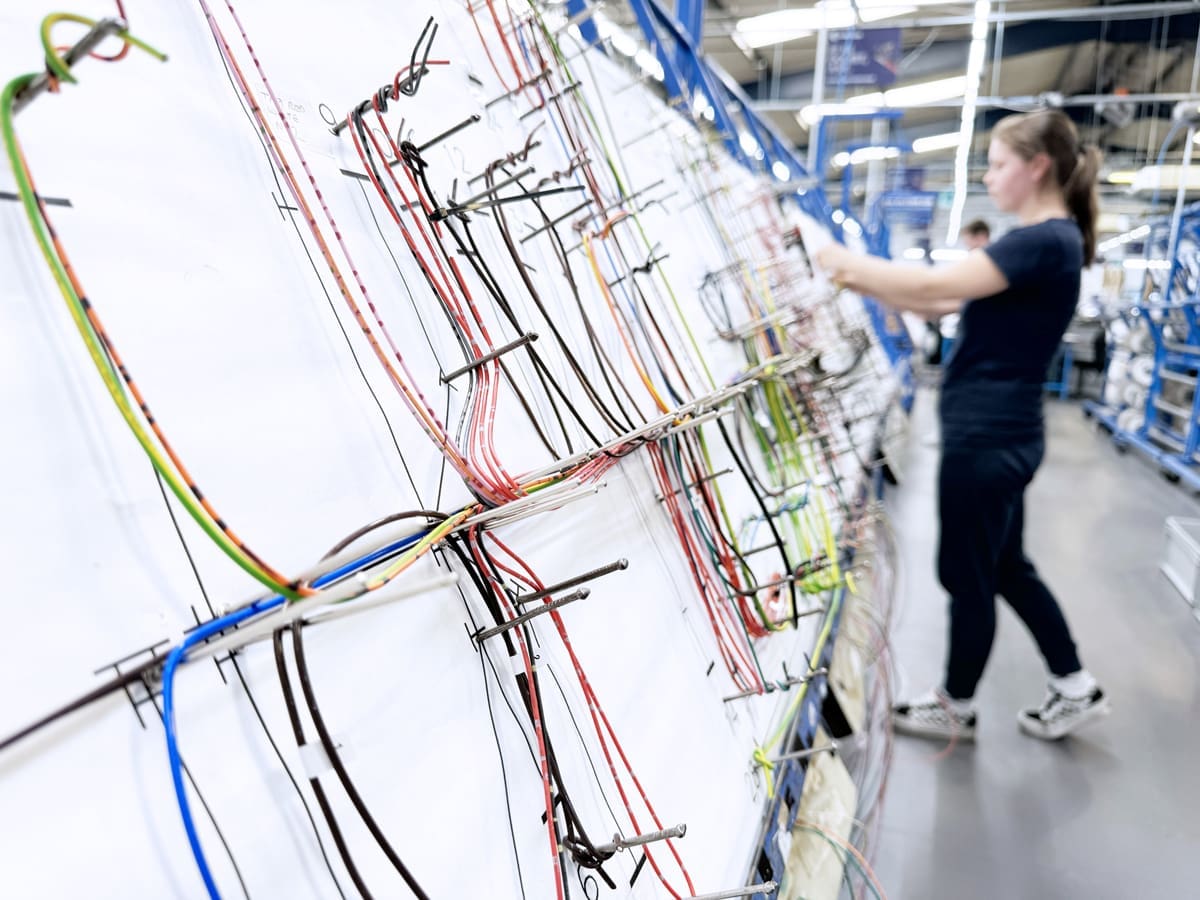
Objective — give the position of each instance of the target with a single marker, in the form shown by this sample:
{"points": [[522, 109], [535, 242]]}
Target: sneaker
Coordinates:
{"points": [[1059, 715], [931, 716]]}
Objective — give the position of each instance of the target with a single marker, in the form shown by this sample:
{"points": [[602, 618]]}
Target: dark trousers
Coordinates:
{"points": [[981, 505]]}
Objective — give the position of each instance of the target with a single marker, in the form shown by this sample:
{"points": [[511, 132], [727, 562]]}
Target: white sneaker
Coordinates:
{"points": [[1059, 715], [932, 716]]}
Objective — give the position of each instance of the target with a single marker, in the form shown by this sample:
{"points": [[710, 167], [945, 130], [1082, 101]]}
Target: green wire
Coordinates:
{"points": [[710, 544], [846, 856], [58, 65], [96, 349]]}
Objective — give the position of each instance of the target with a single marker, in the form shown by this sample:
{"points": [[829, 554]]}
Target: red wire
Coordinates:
{"points": [[489, 374], [124, 51], [596, 711], [534, 710]]}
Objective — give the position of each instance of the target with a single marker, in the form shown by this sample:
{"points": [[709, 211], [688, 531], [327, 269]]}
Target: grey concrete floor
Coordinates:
{"points": [[1113, 811]]}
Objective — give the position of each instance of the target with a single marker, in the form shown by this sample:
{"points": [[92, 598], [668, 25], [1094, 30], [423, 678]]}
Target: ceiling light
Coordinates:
{"points": [[936, 142], [914, 253], [947, 254], [649, 64], [1124, 176], [812, 114], [791, 24], [782, 172], [865, 154], [1146, 263], [915, 94]]}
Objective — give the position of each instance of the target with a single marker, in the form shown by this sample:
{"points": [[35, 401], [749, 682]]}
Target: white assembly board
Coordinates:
{"points": [[210, 284]]}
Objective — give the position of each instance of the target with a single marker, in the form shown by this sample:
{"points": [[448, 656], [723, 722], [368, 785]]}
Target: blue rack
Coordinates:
{"points": [[675, 42], [1170, 433]]}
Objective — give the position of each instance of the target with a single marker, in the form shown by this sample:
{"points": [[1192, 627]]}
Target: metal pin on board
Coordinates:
{"points": [[620, 843], [766, 887], [808, 753], [619, 566], [488, 357], [533, 613]]}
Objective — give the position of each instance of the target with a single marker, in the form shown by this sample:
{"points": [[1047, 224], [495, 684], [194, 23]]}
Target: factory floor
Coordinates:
{"points": [[1110, 811]]}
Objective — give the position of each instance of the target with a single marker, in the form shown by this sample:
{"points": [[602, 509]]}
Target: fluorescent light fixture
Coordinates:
{"points": [[914, 253], [791, 24], [936, 142], [1121, 239], [975, 60], [810, 115], [621, 42], [897, 98], [780, 171], [948, 254], [1124, 176], [915, 94], [1150, 179], [1146, 263], [649, 64], [865, 154]]}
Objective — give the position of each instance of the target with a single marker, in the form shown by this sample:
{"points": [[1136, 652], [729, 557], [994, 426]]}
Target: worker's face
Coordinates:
{"points": [[1011, 180]]}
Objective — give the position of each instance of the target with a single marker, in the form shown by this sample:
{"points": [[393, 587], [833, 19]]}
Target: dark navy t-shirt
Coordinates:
{"points": [[992, 386]]}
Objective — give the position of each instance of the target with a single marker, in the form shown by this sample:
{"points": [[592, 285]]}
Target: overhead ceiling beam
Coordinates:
{"points": [[1022, 102], [951, 56], [1077, 13]]}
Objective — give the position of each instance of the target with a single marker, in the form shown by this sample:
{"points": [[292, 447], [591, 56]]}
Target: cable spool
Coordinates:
{"points": [[1134, 396], [1140, 341], [1130, 419], [1118, 369], [1141, 371], [1118, 333]]}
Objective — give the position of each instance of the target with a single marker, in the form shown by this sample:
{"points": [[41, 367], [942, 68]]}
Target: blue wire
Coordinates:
{"points": [[179, 655], [174, 658]]}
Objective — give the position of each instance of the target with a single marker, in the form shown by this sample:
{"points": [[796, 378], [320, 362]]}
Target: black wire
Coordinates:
{"points": [[111, 686], [603, 362], [487, 693], [246, 687], [379, 523], [292, 778], [417, 165], [368, 154], [321, 281], [318, 790], [776, 537], [399, 271], [589, 388], [336, 761], [583, 851]]}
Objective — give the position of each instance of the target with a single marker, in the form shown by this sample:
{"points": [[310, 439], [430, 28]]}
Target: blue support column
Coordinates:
{"points": [[691, 16], [587, 25]]}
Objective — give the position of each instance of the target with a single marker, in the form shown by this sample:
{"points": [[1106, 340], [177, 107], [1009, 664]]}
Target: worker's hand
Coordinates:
{"points": [[834, 260]]}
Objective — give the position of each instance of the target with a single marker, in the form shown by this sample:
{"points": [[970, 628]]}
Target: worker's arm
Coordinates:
{"points": [[924, 290]]}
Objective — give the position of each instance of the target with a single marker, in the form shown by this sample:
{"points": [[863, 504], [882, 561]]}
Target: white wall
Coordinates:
{"points": [[237, 340]]}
